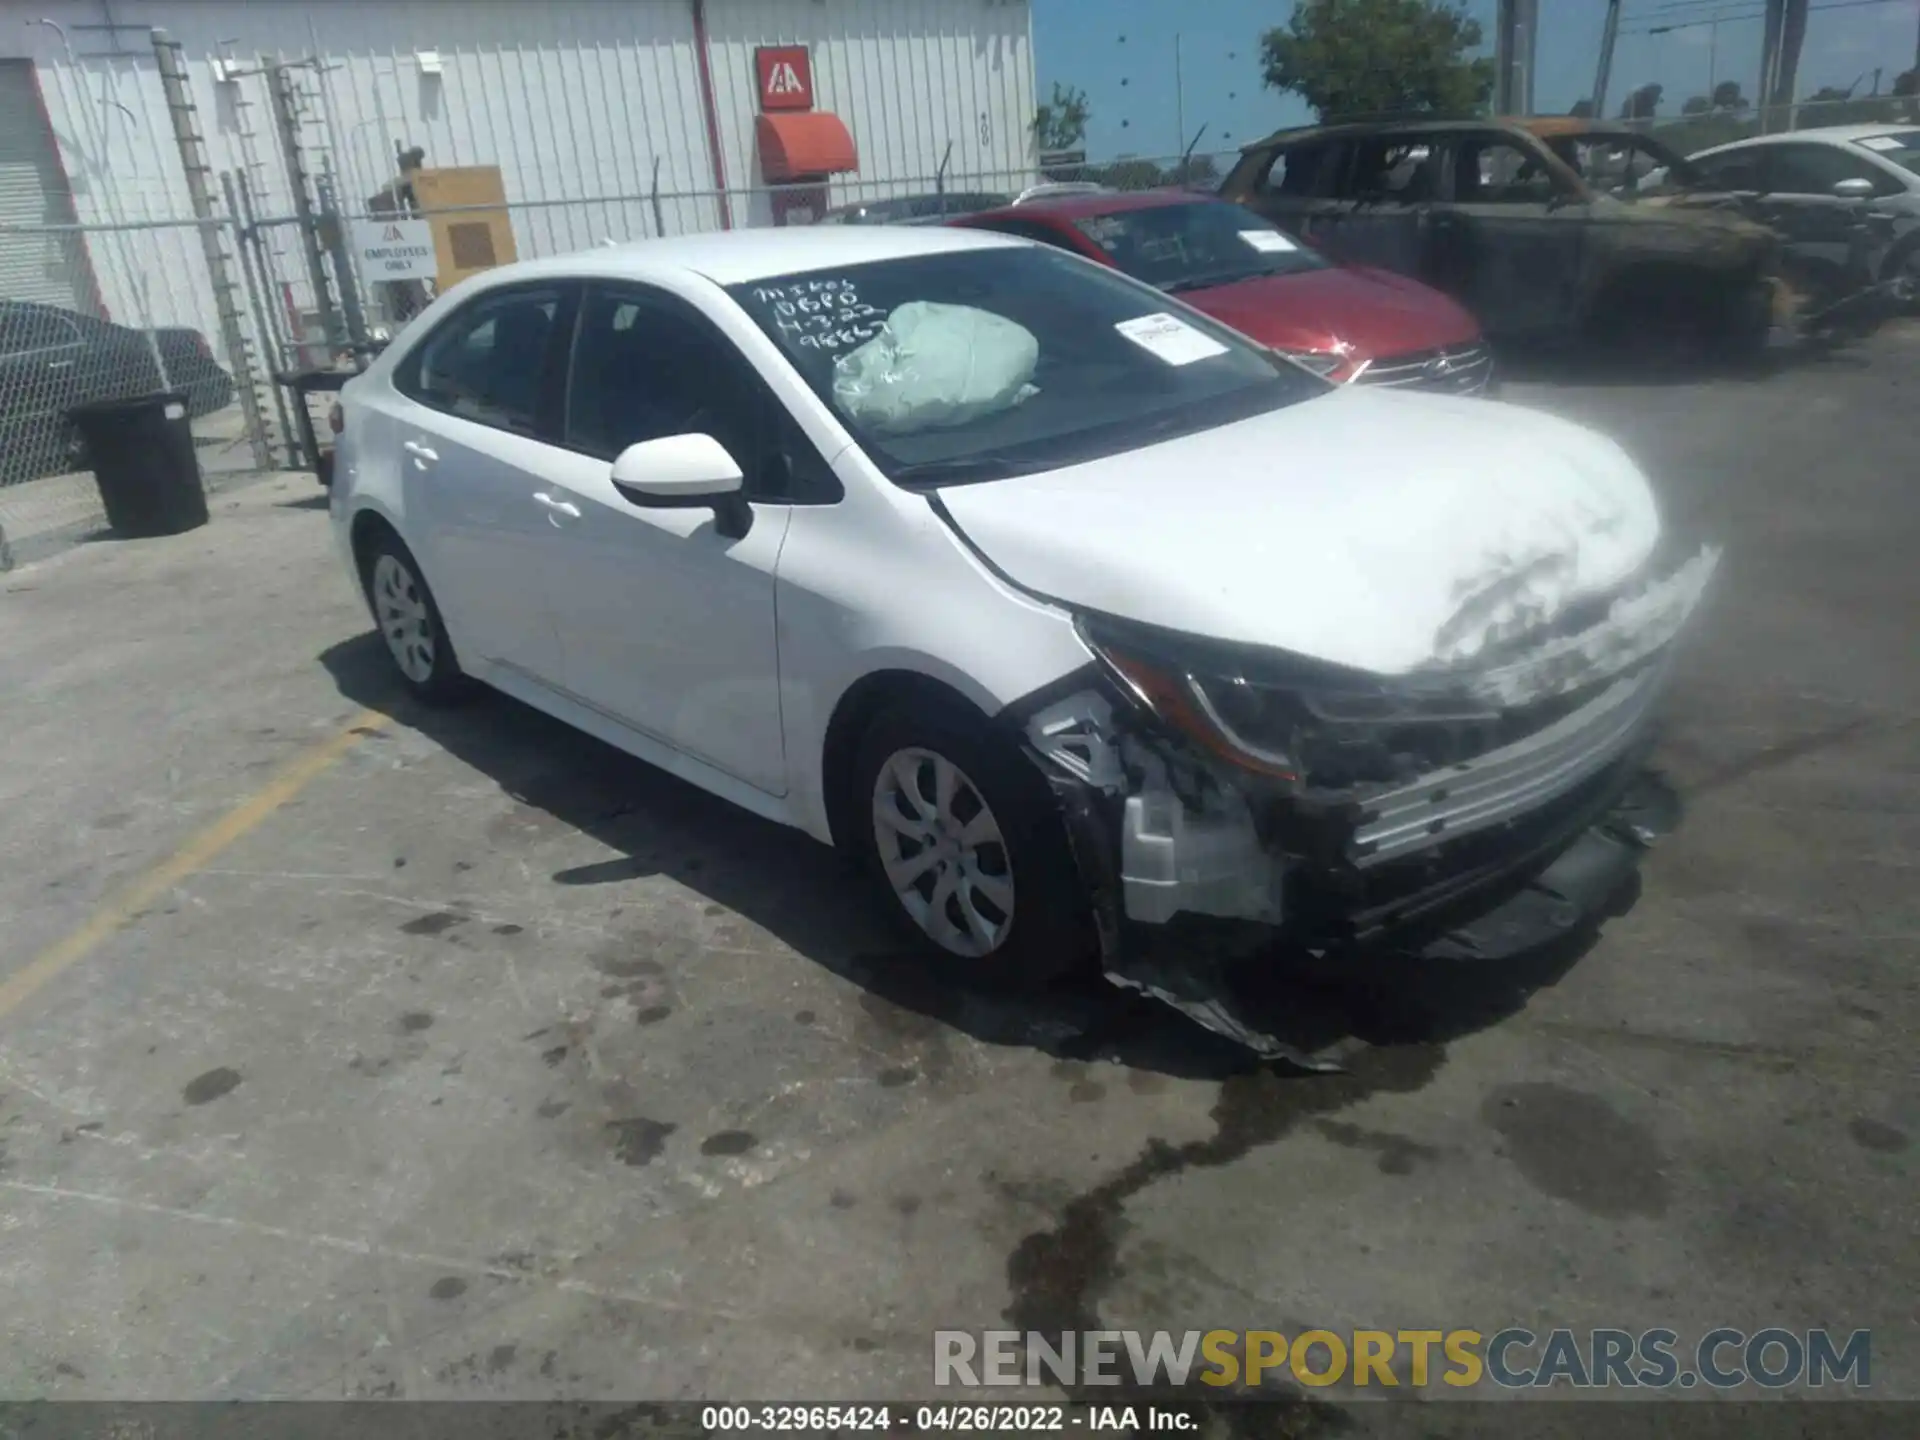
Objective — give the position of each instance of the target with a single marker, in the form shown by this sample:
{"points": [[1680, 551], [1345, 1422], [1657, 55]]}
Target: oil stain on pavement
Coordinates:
{"points": [[1578, 1148], [1058, 1275]]}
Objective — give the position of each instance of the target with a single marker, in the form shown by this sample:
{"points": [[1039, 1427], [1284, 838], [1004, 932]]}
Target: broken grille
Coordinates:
{"points": [[1452, 370], [1503, 784]]}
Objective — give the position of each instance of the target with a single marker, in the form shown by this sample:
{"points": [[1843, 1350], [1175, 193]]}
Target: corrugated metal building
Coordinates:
{"points": [[587, 107]]}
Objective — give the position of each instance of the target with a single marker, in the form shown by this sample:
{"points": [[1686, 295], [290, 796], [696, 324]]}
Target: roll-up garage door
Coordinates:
{"points": [[33, 191]]}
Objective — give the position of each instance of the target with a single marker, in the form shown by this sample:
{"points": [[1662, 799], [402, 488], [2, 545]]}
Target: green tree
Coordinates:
{"points": [[1582, 110], [1061, 122], [1727, 96], [1696, 105], [1378, 57]]}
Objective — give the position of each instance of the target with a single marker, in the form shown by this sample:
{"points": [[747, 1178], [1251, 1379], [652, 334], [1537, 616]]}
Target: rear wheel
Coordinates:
{"points": [[409, 622], [966, 848]]}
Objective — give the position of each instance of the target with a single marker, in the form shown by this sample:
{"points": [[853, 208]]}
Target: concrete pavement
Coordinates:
{"points": [[475, 1060]]}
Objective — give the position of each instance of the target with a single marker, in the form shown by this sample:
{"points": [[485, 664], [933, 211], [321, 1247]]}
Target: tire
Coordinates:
{"points": [[408, 619], [1015, 913], [1903, 263]]}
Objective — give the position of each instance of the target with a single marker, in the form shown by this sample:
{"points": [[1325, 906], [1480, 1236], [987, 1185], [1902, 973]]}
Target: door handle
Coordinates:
{"points": [[420, 452], [558, 507]]}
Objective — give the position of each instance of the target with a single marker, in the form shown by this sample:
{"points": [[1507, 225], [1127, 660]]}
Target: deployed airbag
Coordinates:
{"points": [[936, 365]]}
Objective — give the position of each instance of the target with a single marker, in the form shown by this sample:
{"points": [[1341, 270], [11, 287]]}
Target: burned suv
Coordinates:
{"points": [[1496, 216]]}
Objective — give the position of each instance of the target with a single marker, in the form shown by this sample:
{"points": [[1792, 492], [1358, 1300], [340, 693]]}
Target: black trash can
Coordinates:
{"points": [[143, 460]]}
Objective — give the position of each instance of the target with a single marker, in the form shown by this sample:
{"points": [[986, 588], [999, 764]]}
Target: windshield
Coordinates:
{"points": [[1902, 147], [1193, 247], [979, 364]]}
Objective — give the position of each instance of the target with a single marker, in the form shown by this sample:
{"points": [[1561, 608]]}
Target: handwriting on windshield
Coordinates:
{"points": [[823, 314]]}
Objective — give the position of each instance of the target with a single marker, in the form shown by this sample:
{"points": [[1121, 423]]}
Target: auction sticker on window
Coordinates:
{"points": [[1170, 338], [1267, 242], [1883, 142]]}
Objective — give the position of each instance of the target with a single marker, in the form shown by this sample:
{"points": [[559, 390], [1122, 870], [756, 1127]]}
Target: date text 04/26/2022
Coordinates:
{"points": [[895, 1419]]}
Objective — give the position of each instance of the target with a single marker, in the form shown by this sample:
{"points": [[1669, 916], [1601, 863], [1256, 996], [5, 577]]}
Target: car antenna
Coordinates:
{"points": [[1192, 147]]}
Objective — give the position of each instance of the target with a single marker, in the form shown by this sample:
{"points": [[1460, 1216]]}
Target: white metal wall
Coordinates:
{"points": [[574, 100], [33, 191], [909, 77]]}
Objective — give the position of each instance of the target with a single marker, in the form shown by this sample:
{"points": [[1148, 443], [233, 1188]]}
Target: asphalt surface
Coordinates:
{"points": [[455, 1055]]}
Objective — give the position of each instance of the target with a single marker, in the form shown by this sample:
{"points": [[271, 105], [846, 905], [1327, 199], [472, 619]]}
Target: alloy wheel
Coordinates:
{"points": [[943, 852]]}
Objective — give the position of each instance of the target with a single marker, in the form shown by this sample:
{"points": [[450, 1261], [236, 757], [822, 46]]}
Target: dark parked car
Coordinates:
{"points": [[1488, 212], [913, 209], [52, 360]]}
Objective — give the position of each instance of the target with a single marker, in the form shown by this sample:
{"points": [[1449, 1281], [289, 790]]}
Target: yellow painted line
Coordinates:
{"points": [[288, 781]]}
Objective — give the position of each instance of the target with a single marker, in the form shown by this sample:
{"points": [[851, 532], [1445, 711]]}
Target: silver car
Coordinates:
{"points": [[1806, 184]]}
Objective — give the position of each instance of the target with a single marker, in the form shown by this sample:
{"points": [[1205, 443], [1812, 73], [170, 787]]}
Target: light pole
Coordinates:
{"points": [[1179, 98]]}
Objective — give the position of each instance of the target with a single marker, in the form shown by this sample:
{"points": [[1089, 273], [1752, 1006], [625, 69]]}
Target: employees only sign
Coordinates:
{"points": [[395, 249]]}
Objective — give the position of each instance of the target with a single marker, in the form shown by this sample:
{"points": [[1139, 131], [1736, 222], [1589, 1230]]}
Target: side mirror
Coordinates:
{"points": [[1853, 189], [685, 472]]}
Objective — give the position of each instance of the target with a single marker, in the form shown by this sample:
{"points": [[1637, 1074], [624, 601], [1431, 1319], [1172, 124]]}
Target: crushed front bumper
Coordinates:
{"points": [[1192, 876]]}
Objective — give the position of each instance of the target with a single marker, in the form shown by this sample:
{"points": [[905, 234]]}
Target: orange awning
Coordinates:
{"points": [[800, 143]]}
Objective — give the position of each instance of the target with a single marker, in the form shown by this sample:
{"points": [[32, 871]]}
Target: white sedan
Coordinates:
{"points": [[1071, 610]]}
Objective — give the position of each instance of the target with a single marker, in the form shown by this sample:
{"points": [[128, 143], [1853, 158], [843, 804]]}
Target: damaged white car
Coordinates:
{"points": [[1072, 611]]}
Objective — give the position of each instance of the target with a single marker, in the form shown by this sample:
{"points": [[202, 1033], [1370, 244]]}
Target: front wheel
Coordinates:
{"points": [[967, 849]]}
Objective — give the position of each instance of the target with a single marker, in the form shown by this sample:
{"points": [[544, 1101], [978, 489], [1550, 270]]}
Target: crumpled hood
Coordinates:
{"points": [[1389, 532]]}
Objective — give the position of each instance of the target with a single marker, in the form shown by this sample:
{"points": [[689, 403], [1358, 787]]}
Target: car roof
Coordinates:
{"points": [[1342, 129], [1820, 134], [736, 257], [1108, 202]]}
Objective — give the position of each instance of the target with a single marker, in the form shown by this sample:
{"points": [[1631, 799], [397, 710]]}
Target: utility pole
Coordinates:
{"points": [[1770, 61], [1609, 35], [1179, 95]]}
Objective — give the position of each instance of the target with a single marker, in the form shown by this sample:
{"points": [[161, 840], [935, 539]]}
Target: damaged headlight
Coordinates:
{"points": [[1294, 721]]}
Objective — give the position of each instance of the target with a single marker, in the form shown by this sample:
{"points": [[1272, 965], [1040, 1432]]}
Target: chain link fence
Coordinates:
{"points": [[114, 290], [1703, 128]]}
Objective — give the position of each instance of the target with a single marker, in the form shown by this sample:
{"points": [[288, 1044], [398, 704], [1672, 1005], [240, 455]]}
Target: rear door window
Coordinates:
{"points": [[1496, 170], [29, 328], [497, 361], [1296, 172], [1394, 168], [1735, 170], [1803, 169]]}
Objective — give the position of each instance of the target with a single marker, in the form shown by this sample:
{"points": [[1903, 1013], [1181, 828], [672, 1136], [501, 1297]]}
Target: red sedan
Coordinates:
{"points": [[1347, 322]]}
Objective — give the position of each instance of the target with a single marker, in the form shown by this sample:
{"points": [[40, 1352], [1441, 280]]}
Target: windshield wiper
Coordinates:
{"points": [[963, 470], [1207, 282]]}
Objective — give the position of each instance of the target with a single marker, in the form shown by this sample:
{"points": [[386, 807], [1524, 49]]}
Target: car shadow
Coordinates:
{"points": [[813, 901]]}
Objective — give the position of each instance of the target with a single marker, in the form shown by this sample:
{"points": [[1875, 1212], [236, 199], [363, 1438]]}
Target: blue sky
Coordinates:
{"points": [[1131, 80]]}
